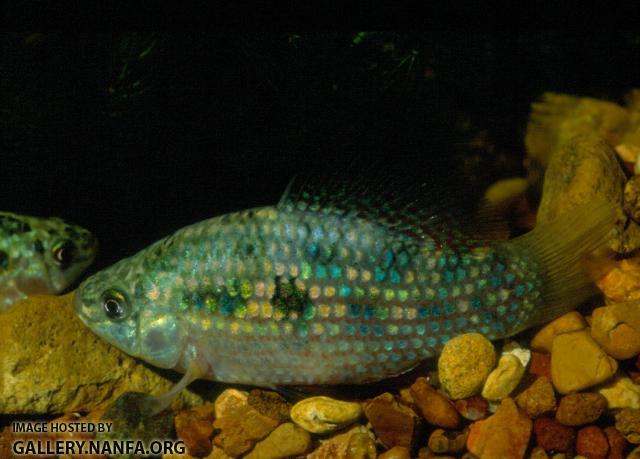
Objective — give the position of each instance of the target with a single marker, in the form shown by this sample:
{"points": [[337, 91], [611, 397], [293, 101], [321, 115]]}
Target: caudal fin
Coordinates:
{"points": [[561, 248]]}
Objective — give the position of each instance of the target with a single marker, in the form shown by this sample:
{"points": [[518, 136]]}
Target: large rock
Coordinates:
{"points": [[584, 170], [617, 329], [51, 363]]}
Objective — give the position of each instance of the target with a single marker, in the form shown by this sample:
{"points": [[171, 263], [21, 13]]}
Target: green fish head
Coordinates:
{"points": [[115, 306]]}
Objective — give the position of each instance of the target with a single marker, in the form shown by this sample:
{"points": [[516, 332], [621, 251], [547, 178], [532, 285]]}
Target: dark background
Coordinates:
{"points": [[134, 135]]}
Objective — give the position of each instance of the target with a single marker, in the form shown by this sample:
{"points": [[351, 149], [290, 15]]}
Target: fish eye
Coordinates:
{"points": [[63, 253], [114, 304]]}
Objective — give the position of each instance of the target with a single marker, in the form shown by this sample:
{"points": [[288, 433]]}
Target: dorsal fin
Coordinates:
{"points": [[420, 212]]}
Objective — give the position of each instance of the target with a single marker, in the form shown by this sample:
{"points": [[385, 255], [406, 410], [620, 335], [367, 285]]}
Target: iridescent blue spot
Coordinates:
{"points": [[395, 277], [448, 277], [198, 301], [303, 329], [379, 274], [487, 317], [519, 290], [453, 260], [349, 329], [321, 271], [387, 259], [406, 329], [336, 272], [511, 319], [355, 310], [461, 274], [394, 357], [444, 339], [411, 355], [369, 312], [476, 303], [435, 326], [509, 277], [495, 281], [388, 345], [431, 341], [448, 325], [402, 344], [313, 250], [423, 312], [421, 329], [515, 306], [461, 322], [378, 330], [364, 329], [403, 258], [500, 267], [226, 305], [435, 311], [499, 326], [442, 261], [485, 330], [345, 290], [443, 293], [481, 283], [529, 286], [449, 309]]}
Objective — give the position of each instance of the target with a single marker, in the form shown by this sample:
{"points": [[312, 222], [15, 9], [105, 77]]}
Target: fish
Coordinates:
{"points": [[323, 290], [40, 256]]}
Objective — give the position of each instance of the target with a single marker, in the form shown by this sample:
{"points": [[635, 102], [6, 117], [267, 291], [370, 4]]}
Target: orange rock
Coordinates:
{"points": [[580, 408], [473, 409], [434, 406], [540, 364], [195, 427], [623, 282], [538, 398], [571, 321], [504, 435], [617, 443], [592, 443], [617, 329], [393, 423], [241, 428]]}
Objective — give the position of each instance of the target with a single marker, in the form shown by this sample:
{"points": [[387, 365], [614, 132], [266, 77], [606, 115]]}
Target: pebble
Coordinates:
{"points": [[397, 452], [195, 428], [434, 406], [502, 435], [504, 378], [361, 446], [473, 409], [553, 436], [447, 441], [287, 440], [270, 404], [612, 327], [241, 428], [617, 443], [464, 364], [323, 414], [622, 392], [393, 423], [522, 353], [571, 321], [578, 362], [592, 443], [337, 447], [540, 364], [580, 408], [622, 283], [538, 453], [228, 400], [628, 424], [538, 398]]}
